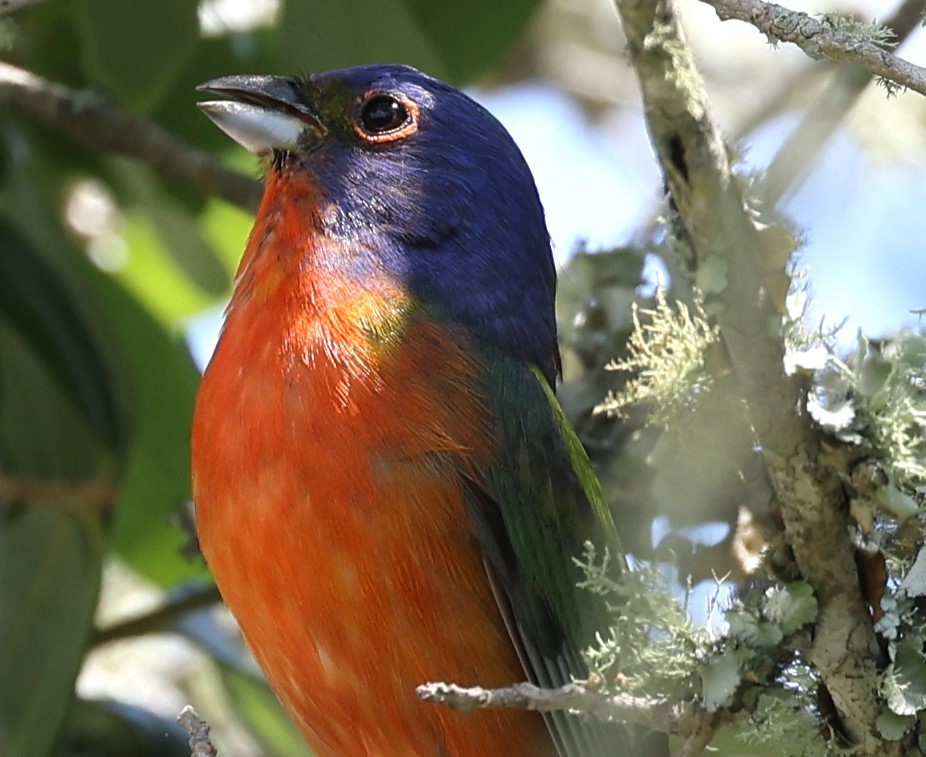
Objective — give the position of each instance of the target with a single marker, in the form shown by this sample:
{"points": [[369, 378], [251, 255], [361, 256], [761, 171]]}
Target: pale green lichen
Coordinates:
{"points": [[889, 389], [863, 31], [784, 720], [665, 647], [666, 355], [652, 649]]}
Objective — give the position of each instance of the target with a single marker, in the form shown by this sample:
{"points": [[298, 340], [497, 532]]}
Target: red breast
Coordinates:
{"points": [[333, 432]]}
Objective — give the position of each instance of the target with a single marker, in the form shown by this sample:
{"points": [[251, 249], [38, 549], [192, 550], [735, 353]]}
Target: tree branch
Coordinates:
{"points": [[682, 719], [699, 738], [796, 156], [823, 39], [98, 125], [160, 617], [98, 494], [740, 266], [200, 742]]}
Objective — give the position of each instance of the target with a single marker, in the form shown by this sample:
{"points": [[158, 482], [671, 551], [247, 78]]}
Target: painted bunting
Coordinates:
{"points": [[387, 491]]}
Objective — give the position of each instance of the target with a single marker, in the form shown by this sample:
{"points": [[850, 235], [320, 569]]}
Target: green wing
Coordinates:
{"points": [[536, 507]]}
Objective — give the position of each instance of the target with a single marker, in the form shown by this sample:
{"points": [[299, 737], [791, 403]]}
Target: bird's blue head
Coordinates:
{"points": [[422, 183]]}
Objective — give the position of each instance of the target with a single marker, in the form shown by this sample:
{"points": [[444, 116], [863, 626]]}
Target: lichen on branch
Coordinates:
{"points": [[666, 357], [830, 36], [716, 228]]}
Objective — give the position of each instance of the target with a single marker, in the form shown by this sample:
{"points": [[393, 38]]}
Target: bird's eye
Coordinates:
{"points": [[382, 114]]}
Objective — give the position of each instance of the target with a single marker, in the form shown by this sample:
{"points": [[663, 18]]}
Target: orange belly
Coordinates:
{"points": [[327, 477]]}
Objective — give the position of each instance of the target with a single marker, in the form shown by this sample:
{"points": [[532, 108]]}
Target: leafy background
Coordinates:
{"points": [[103, 265]]}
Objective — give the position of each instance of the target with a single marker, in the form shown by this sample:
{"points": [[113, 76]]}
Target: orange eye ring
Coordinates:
{"points": [[381, 117]]}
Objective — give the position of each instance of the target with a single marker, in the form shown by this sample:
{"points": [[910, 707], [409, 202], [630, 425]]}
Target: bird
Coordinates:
{"points": [[386, 489]]}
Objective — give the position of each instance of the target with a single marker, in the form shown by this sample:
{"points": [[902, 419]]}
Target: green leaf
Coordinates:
{"points": [[226, 228], [235, 685], [154, 363], [750, 629], [55, 488], [791, 606], [892, 726], [473, 37], [318, 36], [261, 712], [36, 302], [455, 41], [157, 478], [720, 678], [115, 729], [176, 227], [251, 52], [914, 583], [50, 561], [48, 37], [905, 681], [152, 275], [136, 47], [897, 502]]}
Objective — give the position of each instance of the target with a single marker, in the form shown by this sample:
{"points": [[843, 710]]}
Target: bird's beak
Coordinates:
{"points": [[263, 113]]}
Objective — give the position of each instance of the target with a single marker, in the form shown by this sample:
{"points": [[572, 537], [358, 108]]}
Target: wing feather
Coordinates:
{"points": [[532, 513]]}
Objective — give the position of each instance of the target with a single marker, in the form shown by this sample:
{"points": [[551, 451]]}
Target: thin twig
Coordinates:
{"points": [[97, 125], [200, 743], [98, 494], [159, 618], [820, 39], [679, 718]]}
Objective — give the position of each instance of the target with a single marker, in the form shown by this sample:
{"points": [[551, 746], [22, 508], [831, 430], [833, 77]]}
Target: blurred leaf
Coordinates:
{"points": [[472, 37], [36, 302], [48, 41], [914, 583], [56, 490], [50, 560], [261, 713], [157, 478], [455, 41], [226, 228], [251, 699], [154, 364], [720, 678], [115, 729], [5, 156], [747, 626], [318, 36], [135, 48], [254, 51], [593, 303], [791, 605], [179, 234], [712, 275], [905, 682], [893, 727], [152, 275], [899, 503]]}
